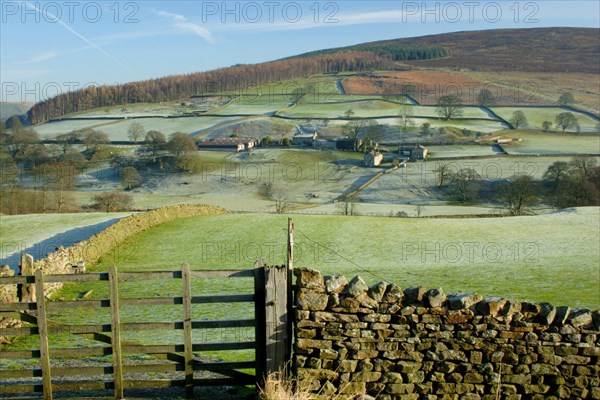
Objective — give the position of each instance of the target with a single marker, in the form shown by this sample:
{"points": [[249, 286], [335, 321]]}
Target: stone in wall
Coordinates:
{"points": [[8, 294], [415, 343]]}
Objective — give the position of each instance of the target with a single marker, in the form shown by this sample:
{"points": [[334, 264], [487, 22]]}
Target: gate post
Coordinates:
{"points": [[272, 339]]}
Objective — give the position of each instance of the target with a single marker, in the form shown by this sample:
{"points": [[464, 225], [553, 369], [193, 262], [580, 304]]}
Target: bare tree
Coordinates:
{"points": [[155, 141], [566, 121], [443, 174], [419, 210], [94, 139], [130, 177], [466, 181], [546, 125], [135, 132], [20, 141], [518, 119], [405, 117], [181, 143], [352, 130], [565, 99], [280, 198], [347, 206], [110, 202], [485, 97], [584, 164], [449, 107], [519, 195]]}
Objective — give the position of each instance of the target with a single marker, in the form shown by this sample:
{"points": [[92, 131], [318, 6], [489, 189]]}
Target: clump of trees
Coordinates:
{"points": [[463, 183], [564, 184], [364, 133], [519, 195], [112, 202], [573, 184]]}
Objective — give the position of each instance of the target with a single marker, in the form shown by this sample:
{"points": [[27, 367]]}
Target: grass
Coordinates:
{"points": [[552, 143], [511, 257], [117, 130], [22, 231], [521, 257], [459, 151], [430, 111], [535, 117], [361, 109], [250, 108]]}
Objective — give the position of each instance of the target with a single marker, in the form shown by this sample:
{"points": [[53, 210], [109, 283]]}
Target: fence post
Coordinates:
{"points": [[28, 289], [290, 293], [115, 327], [187, 330], [259, 316], [43, 334]]}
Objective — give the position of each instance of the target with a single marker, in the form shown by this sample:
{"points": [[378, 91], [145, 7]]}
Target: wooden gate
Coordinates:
{"points": [[180, 361]]}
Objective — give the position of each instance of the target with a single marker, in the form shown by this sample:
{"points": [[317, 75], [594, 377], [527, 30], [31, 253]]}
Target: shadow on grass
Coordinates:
{"points": [[12, 251]]}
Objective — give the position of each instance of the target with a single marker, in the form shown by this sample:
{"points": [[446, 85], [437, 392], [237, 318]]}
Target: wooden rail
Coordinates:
{"points": [[180, 361]]}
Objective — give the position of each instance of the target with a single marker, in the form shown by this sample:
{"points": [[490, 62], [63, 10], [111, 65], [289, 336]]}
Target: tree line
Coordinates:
{"points": [[40, 178], [171, 88], [397, 51]]}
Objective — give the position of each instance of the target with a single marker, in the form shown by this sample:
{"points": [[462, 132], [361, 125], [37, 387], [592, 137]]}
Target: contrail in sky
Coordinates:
{"points": [[73, 31]]}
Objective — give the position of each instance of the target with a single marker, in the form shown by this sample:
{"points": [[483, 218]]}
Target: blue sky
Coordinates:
{"points": [[48, 47]]}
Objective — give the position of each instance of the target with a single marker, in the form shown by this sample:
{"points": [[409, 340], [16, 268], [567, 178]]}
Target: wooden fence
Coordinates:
{"points": [[271, 342]]}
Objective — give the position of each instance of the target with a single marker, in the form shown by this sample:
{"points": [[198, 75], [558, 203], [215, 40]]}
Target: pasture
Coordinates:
{"points": [[552, 143], [536, 115], [459, 151], [515, 257], [39, 234]]}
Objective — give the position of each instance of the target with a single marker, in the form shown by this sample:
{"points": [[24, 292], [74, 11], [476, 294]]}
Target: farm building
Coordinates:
{"points": [[507, 140], [228, 144], [414, 153], [373, 159], [320, 144], [345, 144], [304, 136]]}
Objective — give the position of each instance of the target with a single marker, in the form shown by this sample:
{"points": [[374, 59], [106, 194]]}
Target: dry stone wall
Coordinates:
{"points": [[414, 343], [71, 260]]}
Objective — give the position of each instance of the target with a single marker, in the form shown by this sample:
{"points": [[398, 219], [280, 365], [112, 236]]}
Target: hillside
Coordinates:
{"points": [[8, 109], [548, 50]]}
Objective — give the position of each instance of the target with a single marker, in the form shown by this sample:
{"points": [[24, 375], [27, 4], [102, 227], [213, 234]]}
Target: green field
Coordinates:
{"points": [[459, 151], [324, 84], [553, 143], [250, 108], [535, 117], [430, 111], [117, 129], [23, 231], [515, 257], [361, 109]]}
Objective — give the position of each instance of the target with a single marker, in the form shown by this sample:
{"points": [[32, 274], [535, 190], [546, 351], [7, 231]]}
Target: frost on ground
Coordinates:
{"points": [[39, 234]]}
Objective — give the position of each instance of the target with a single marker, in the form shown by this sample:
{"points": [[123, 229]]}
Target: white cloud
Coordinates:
{"points": [[182, 23], [74, 32], [40, 57]]}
